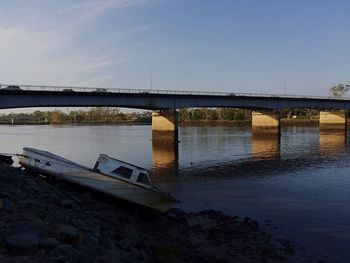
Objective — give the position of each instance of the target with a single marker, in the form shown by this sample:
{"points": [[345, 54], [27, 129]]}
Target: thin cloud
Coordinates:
{"points": [[42, 45]]}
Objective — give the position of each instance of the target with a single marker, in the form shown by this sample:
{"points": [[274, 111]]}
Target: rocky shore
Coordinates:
{"points": [[42, 220]]}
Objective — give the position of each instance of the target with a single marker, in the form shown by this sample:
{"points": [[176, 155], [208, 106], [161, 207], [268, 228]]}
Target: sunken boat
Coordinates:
{"points": [[109, 176]]}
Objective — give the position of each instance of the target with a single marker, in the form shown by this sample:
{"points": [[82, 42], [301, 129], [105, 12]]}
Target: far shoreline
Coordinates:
{"points": [[287, 122]]}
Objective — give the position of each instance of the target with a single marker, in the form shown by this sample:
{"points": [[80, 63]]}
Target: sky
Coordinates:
{"points": [[271, 46]]}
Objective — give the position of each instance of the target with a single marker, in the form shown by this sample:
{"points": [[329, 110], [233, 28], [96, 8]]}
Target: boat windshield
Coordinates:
{"points": [[123, 171], [143, 179]]}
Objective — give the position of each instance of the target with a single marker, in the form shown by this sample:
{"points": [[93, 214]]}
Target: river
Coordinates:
{"points": [[300, 182]]}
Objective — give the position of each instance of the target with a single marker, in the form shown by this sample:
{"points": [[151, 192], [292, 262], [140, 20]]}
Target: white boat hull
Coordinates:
{"points": [[49, 164]]}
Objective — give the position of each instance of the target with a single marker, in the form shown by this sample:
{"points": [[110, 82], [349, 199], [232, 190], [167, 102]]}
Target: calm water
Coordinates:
{"points": [[301, 183]]}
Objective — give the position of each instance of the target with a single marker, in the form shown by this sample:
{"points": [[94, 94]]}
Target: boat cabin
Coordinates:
{"points": [[123, 171]]}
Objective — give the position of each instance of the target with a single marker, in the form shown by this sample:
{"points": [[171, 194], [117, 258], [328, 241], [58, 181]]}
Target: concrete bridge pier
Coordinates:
{"points": [[266, 123], [333, 120], [165, 126]]}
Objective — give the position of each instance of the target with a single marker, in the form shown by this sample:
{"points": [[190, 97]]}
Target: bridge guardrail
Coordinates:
{"points": [[156, 91]]}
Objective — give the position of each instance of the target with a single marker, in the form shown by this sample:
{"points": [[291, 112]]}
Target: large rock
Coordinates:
{"points": [[48, 242], [59, 259], [112, 256], [66, 202], [65, 252], [22, 242], [175, 212], [7, 205], [35, 228], [128, 242], [34, 222], [73, 254], [67, 233], [107, 242], [89, 246], [66, 249]]}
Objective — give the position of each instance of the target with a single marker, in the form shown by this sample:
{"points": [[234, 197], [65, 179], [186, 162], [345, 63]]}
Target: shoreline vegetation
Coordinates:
{"points": [[45, 220], [104, 115]]}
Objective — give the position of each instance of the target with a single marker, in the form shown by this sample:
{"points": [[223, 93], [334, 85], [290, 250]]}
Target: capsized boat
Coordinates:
{"points": [[109, 176]]}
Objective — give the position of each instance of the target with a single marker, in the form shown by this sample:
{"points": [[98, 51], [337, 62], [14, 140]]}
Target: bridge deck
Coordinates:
{"points": [[21, 96]]}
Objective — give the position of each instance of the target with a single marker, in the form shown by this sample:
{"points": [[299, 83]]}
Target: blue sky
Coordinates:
{"points": [[222, 45]]}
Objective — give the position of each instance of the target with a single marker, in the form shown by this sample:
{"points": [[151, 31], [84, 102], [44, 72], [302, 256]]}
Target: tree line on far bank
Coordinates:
{"points": [[92, 115], [238, 115], [114, 115]]}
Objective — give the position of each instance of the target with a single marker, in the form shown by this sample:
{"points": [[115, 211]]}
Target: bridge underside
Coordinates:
{"points": [[25, 99]]}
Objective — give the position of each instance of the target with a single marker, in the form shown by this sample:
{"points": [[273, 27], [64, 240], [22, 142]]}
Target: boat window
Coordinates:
{"points": [[123, 171], [143, 178]]}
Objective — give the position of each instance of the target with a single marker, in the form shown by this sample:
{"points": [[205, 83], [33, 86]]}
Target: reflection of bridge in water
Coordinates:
{"points": [[266, 157]]}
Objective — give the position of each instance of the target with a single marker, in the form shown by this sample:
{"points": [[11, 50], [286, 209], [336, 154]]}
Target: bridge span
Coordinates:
{"points": [[22, 96], [164, 103]]}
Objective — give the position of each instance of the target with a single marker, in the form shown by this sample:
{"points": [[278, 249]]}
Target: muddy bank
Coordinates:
{"points": [[50, 221]]}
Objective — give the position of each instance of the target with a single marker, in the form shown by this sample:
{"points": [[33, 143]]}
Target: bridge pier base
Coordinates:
{"points": [[333, 120], [165, 126], [266, 123]]}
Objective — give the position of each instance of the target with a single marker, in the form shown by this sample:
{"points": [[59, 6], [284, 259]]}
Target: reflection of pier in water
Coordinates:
{"points": [[332, 142], [266, 147], [266, 159], [165, 158]]}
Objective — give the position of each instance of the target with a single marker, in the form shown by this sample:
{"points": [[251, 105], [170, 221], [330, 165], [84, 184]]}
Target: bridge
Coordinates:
{"points": [[164, 103]]}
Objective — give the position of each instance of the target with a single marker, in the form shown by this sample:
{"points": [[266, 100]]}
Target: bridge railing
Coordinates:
{"points": [[152, 91]]}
